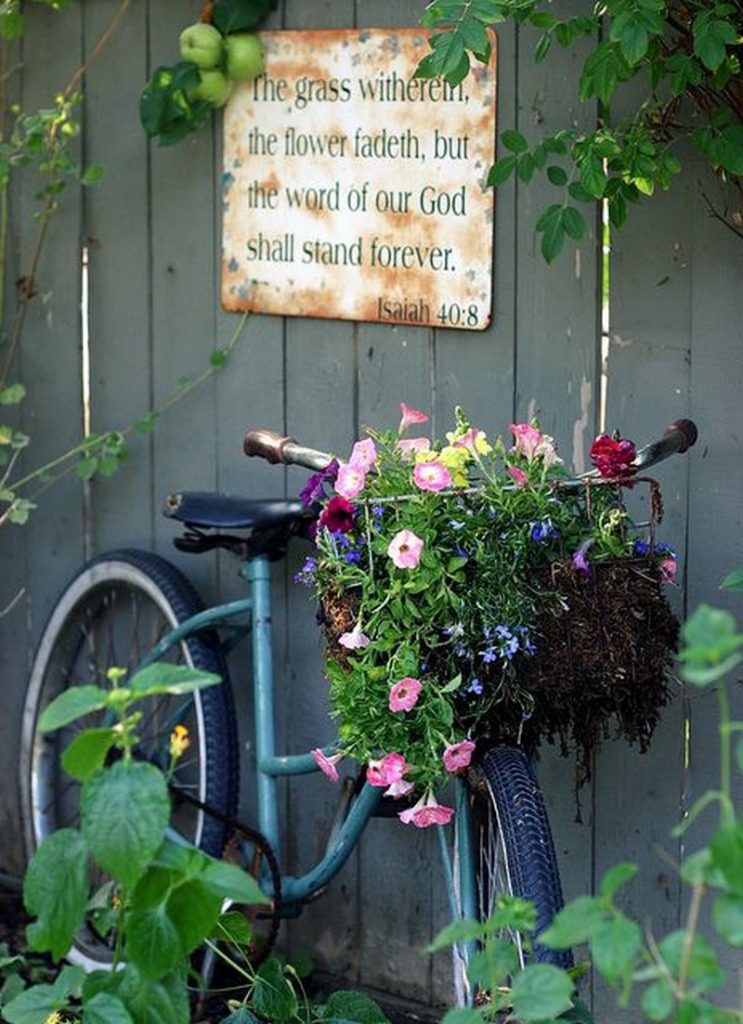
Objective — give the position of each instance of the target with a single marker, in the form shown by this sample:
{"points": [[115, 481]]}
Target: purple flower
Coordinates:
{"points": [[543, 531], [641, 547], [352, 557], [475, 686], [510, 647], [314, 490], [489, 655], [306, 575], [580, 562]]}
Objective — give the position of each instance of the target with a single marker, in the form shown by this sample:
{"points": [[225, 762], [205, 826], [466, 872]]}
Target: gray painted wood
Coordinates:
{"points": [[155, 222]]}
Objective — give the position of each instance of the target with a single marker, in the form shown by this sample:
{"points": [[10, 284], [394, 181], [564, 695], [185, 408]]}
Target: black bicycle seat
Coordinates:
{"points": [[209, 511]]}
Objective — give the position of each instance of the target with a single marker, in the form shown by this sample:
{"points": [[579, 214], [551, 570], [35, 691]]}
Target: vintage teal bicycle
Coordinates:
{"points": [[130, 608]]}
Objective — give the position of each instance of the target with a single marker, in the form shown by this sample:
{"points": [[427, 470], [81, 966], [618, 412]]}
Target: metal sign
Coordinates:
{"points": [[355, 191]]}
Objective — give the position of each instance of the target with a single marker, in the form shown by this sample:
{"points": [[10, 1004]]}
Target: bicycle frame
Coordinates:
{"points": [[297, 890]]}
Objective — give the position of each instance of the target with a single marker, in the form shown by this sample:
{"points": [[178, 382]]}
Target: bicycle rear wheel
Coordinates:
{"points": [[513, 852], [111, 615]]}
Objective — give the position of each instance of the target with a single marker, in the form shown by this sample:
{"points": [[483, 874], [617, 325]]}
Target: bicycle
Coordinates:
{"points": [[130, 608]]}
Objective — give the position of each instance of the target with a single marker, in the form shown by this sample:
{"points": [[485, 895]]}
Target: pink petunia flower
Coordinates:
{"points": [[355, 639], [404, 694], [350, 480], [327, 764], [520, 478], [387, 771], [428, 811], [408, 445], [405, 549], [399, 789], [458, 755], [410, 416], [473, 440], [533, 444], [668, 570], [364, 455], [432, 476]]}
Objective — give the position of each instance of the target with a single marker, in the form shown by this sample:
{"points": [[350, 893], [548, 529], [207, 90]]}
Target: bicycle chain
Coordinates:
{"points": [[261, 844]]}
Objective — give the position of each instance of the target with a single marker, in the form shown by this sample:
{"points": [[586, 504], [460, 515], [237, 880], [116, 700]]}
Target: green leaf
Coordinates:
{"points": [[657, 1001], [573, 222], [494, 964], [462, 1015], [33, 1006], [12, 395], [615, 946], [233, 927], [165, 107], [218, 358], [514, 141], [575, 923], [153, 943], [525, 167], [147, 424], [105, 1009], [349, 1005], [726, 847], [68, 983], [153, 1002], [712, 36], [230, 882], [55, 889], [237, 15], [241, 1015], [616, 877], [553, 233], [727, 915], [592, 175], [70, 705], [162, 677], [603, 69], [123, 842], [501, 171], [556, 175], [463, 930], [703, 970], [194, 910], [273, 996], [540, 992], [86, 754], [92, 174], [733, 580], [87, 467]]}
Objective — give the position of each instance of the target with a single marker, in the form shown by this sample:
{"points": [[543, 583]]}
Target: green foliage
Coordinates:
{"points": [[238, 15], [674, 977], [161, 899], [669, 50]]}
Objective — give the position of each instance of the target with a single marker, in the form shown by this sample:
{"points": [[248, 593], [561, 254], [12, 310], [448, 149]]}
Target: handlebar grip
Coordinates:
{"points": [[677, 438], [267, 444]]}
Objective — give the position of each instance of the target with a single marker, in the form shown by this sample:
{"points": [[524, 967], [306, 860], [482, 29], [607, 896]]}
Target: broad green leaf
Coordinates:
{"points": [[492, 965], [573, 222], [615, 946], [11, 987], [727, 915], [703, 970], [32, 1006], [163, 677], [733, 580], [457, 931], [55, 889], [514, 141], [616, 877], [154, 1002], [125, 812], [349, 1005], [577, 1014], [153, 943], [273, 996], [70, 705], [194, 910], [712, 36], [241, 1015], [592, 175], [230, 882], [657, 1001], [87, 752], [603, 69], [12, 395], [726, 846], [575, 923], [501, 171], [699, 868], [540, 992], [556, 175], [463, 1015], [105, 1009], [553, 233], [92, 174], [238, 15], [69, 982], [233, 927]]}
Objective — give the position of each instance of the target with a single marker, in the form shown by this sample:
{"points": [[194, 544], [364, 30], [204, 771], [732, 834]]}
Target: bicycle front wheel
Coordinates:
{"points": [[111, 615], [513, 853]]}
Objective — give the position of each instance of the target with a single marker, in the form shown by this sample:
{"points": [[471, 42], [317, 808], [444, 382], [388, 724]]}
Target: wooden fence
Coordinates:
{"points": [[151, 229]]}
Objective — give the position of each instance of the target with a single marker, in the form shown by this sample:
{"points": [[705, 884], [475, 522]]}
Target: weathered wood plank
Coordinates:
{"points": [[49, 365], [638, 798], [117, 234]]}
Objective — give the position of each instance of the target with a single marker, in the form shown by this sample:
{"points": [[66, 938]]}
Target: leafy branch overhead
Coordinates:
{"points": [[216, 53], [686, 60]]}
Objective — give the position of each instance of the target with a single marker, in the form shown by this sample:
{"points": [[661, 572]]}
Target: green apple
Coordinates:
{"points": [[245, 58], [202, 45], [213, 87]]}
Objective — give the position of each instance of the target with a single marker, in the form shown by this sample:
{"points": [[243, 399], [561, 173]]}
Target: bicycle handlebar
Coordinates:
{"points": [[275, 447]]}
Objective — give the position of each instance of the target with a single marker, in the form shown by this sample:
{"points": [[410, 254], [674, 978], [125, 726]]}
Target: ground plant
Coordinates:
{"points": [[674, 977], [119, 873]]}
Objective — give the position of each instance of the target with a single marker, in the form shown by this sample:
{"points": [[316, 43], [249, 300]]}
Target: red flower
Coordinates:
{"points": [[337, 515], [613, 456]]}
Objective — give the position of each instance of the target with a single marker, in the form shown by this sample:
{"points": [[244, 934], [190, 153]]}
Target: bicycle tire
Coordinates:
{"points": [[111, 614], [514, 851]]}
